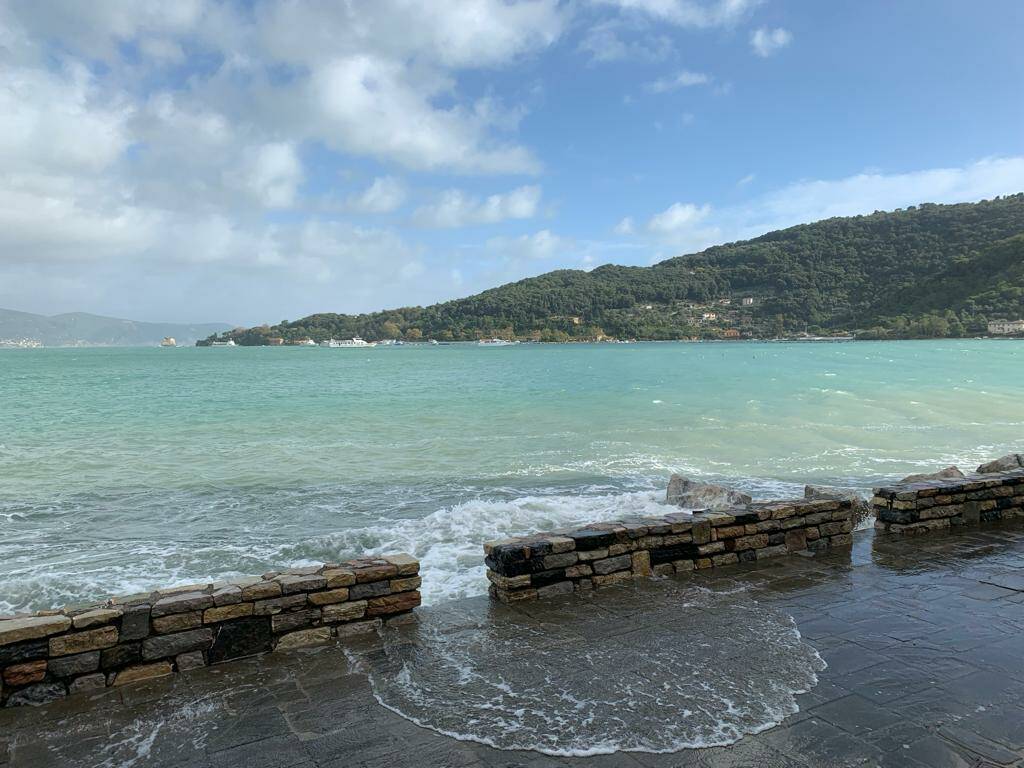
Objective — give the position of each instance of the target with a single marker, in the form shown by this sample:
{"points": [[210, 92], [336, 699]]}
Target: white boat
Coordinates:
{"points": [[228, 343], [354, 343], [495, 343], [168, 341]]}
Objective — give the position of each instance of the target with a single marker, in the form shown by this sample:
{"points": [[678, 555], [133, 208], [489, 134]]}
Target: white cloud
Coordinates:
{"points": [[746, 180], [682, 79], [454, 208], [689, 13], [384, 195], [614, 40], [273, 174], [625, 227], [370, 106], [767, 42], [540, 245], [677, 217]]}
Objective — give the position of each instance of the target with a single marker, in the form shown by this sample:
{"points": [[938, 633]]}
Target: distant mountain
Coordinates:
{"points": [[925, 271], [83, 329]]}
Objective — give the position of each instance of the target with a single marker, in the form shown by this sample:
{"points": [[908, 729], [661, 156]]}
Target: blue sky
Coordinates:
{"points": [[253, 161]]}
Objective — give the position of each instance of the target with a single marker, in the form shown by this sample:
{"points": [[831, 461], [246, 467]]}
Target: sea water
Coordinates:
{"points": [[127, 469]]}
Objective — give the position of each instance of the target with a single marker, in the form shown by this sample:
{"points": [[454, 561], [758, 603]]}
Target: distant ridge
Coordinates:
{"points": [[83, 329], [922, 272]]}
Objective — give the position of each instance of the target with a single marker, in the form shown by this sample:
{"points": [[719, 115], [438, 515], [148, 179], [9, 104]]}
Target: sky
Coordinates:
{"points": [[248, 162]]}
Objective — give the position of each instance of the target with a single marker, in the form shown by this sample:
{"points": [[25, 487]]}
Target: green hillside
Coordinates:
{"points": [[926, 271]]}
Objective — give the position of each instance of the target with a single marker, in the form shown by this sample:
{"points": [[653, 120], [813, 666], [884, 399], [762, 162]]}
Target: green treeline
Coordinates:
{"points": [[926, 271]]}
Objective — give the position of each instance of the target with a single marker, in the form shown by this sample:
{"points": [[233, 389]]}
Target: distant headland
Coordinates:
{"points": [[928, 271]]}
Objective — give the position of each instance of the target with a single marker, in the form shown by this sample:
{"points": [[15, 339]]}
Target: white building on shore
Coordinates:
{"points": [[1003, 327]]}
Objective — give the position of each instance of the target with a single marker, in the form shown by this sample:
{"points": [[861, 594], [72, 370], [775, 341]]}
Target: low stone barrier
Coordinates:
{"points": [[49, 654], [603, 554], [912, 508]]}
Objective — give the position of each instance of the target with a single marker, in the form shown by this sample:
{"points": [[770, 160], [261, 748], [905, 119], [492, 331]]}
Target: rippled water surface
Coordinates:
{"points": [[672, 668], [124, 469]]}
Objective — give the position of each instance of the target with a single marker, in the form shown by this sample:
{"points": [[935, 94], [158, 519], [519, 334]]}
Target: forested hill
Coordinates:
{"points": [[929, 270]]}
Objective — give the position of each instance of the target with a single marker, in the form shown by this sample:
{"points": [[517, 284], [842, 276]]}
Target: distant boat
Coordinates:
{"points": [[228, 343], [495, 343], [354, 343], [168, 342]]}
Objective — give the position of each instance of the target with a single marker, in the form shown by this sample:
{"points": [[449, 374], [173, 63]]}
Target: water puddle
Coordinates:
{"points": [[657, 667]]}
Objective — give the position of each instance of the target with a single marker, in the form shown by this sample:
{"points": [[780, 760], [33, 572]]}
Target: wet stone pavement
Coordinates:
{"points": [[923, 640]]}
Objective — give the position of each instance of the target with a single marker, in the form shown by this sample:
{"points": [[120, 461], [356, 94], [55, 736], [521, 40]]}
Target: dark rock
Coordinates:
{"points": [[671, 554], [36, 695], [135, 622], [26, 651], [544, 578], [949, 473], [121, 656], [695, 495], [593, 538], [243, 637], [180, 642], [67, 666], [1005, 463], [371, 589]]}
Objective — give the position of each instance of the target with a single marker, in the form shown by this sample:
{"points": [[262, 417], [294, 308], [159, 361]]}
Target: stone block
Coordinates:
{"points": [[384, 606], [544, 578], [344, 611], [408, 565], [162, 646], [702, 562], [339, 595], [701, 531], [406, 585], [234, 639], [592, 538], [641, 564], [620, 548], [277, 605], [186, 661], [833, 529], [729, 531], [757, 541], [767, 552], [97, 617], [286, 622], [682, 566], [562, 560], [304, 638], [262, 590], [508, 582], [227, 595], [370, 589], [812, 533], [340, 577], [88, 683], [24, 651], [611, 564], [71, 666], [294, 583], [182, 603], [579, 571], [82, 642], [609, 579], [664, 569], [135, 622], [226, 613], [727, 558], [592, 554], [841, 540], [375, 572], [796, 540], [178, 622], [121, 655], [31, 628], [142, 672], [25, 673]]}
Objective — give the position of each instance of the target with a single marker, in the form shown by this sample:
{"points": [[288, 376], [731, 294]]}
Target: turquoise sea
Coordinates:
{"points": [[124, 469]]}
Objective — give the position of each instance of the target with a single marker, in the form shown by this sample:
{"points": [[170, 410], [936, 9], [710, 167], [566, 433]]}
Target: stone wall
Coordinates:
{"points": [[912, 508], [600, 555], [49, 654]]}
